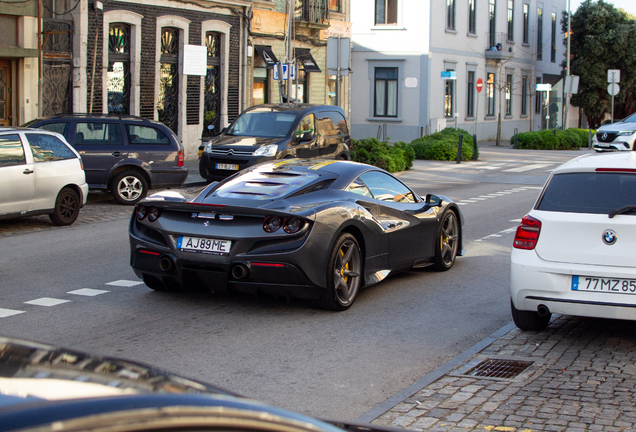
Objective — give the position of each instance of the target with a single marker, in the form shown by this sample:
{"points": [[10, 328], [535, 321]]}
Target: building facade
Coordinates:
{"points": [[314, 22], [423, 65]]}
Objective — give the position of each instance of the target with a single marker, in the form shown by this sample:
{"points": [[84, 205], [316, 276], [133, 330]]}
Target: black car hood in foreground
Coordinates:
{"points": [[47, 388]]}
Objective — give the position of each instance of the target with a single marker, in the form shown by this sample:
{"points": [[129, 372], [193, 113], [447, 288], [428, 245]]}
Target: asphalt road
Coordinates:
{"points": [[73, 286]]}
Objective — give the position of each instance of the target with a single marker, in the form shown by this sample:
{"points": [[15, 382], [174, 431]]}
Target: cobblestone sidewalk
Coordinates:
{"points": [[582, 377]]}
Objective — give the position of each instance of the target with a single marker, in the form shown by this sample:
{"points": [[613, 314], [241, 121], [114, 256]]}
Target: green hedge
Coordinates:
{"points": [[552, 139], [393, 158], [443, 145]]}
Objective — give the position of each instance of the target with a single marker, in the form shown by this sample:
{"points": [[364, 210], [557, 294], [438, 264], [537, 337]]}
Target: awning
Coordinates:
{"points": [[306, 60], [267, 55]]}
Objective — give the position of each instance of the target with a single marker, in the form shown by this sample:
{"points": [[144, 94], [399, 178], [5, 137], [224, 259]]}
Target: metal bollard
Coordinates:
{"points": [[516, 133], [459, 148], [589, 138], [475, 151]]}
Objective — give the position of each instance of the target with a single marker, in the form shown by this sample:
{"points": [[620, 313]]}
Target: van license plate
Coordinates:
{"points": [[608, 285], [203, 245], [231, 167]]}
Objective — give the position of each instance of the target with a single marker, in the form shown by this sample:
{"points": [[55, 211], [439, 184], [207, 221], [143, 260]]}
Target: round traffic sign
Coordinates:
{"points": [[613, 89], [479, 85]]}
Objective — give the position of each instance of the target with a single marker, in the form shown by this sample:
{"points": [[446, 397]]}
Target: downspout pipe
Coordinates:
{"points": [[40, 74]]}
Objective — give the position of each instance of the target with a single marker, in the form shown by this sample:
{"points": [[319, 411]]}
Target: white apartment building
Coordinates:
{"points": [[422, 65]]}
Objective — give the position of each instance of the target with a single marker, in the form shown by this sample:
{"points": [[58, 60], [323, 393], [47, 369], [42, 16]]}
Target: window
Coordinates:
{"points": [[511, 26], [524, 95], [553, 42], [212, 83], [168, 99], [118, 74], [450, 14], [385, 12], [571, 192], [449, 102], [490, 94], [491, 23], [260, 91], [539, 34], [61, 127], [538, 99], [472, 17], [508, 94], [334, 5], [11, 151], [306, 126], [386, 188], [526, 23], [146, 135], [470, 96], [47, 148], [358, 187], [98, 134], [386, 92]]}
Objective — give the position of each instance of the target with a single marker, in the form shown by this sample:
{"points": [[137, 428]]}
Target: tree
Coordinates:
{"points": [[603, 38]]}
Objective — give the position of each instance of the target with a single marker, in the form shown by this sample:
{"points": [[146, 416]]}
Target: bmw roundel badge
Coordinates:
{"points": [[609, 237]]}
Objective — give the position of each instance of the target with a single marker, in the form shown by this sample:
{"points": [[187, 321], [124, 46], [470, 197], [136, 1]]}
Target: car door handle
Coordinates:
{"points": [[116, 154], [27, 171]]}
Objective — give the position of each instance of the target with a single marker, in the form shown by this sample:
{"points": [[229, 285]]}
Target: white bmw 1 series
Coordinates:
{"points": [[574, 252]]}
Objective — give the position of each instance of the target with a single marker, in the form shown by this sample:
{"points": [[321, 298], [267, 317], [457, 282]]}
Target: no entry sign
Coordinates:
{"points": [[479, 85]]}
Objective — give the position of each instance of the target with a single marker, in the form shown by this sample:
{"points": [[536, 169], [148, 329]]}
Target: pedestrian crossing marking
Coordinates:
{"points": [[124, 283], [87, 292], [4, 313], [46, 301]]}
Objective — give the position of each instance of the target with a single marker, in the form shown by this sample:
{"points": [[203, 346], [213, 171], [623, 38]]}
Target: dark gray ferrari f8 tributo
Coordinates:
{"points": [[310, 229]]}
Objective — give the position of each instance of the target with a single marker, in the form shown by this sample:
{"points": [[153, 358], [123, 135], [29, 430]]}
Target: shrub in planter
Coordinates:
{"points": [[393, 158], [443, 145]]}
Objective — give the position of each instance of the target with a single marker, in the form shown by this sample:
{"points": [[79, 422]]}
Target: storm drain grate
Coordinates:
{"points": [[498, 368]]}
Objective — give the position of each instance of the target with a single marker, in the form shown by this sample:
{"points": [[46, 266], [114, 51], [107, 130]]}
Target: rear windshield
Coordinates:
{"points": [[266, 124], [593, 192]]}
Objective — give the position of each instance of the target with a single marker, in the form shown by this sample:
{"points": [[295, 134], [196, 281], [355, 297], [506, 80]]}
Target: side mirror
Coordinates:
{"points": [[433, 200]]}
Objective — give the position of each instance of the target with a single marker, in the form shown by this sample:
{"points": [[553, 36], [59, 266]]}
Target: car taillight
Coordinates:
{"points": [[152, 213], [180, 158], [141, 212], [271, 224], [291, 225], [527, 233]]}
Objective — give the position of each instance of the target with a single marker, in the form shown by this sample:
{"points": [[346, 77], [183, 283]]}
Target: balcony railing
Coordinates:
{"points": [[312, 11], [499, 47]]}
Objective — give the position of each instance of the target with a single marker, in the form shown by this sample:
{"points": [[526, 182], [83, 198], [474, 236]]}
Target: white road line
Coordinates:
{"points": [[124, 283], [527, 168], [46, 301], [87, 292], [497, 235], [478, 199], [9, 312], [516, 220], [467, 201], [485, 196]]}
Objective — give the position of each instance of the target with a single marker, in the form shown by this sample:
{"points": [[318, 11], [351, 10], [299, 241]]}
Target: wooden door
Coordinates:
{"points": [[5, 93]]}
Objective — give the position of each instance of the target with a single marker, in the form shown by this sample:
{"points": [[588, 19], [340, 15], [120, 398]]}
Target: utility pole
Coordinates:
{"points": [[568, 77]]}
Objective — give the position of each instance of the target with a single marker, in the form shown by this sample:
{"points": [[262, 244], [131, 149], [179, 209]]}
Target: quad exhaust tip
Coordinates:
{"points": [[166, 264], [240, 272]]}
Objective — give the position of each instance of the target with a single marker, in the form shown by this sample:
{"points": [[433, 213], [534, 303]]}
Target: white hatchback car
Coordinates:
{"points": [[40, 173], [573, 253]]}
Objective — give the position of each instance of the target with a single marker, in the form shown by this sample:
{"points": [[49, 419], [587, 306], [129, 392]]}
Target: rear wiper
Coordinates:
{"points": [[621, 210]]}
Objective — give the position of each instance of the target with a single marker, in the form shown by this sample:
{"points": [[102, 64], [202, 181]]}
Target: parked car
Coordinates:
{"points": [[314, 229], [126, 155], [48, 388], [617, 136], [276, 131], [573, 252], [40, 173]]}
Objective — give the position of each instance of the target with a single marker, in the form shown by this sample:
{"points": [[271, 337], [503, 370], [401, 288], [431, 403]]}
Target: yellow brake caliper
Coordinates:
{"points": [[346, 279]]}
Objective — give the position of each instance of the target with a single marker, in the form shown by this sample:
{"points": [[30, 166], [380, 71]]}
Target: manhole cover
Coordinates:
{"points": [[498, 368]]}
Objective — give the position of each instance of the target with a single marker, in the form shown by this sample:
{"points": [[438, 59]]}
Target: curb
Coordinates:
{"points": [[429, 378]]}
